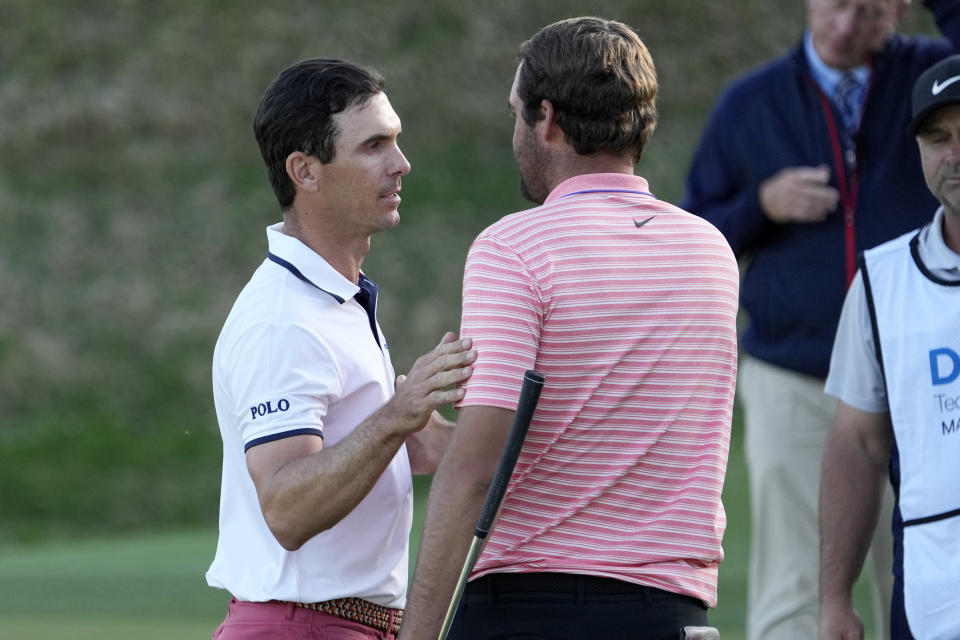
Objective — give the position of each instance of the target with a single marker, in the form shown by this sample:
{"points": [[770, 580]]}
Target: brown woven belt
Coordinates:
{"points": [[359, 610]]}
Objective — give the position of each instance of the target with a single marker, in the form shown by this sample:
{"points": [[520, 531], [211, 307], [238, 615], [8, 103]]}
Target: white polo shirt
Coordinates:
{"points": [[298, 354]]}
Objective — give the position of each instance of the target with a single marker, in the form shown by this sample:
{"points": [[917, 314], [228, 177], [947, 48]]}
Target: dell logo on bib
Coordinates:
{"points": [[265, 408], [944, 365]]}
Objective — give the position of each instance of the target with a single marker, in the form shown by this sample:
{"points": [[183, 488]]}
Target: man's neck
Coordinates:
{"points": [[343, 254], [951, 230], [573, 165]]}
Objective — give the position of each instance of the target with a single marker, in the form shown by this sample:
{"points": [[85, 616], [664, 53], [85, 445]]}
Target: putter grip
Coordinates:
{"points": [[529, 396]]}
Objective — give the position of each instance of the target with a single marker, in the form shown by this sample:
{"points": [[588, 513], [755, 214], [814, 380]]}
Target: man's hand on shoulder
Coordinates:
{"points": [[798, 195], [432, 382], [305, 488]]}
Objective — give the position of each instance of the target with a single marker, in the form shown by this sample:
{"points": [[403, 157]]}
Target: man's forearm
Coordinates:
{"points": [[452, 512], [305, 488], [456, 497], [850, 494], [311, 494]]}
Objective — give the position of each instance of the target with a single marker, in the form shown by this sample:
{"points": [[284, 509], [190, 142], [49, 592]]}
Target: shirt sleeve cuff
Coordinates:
{"points": [[281, 435]]}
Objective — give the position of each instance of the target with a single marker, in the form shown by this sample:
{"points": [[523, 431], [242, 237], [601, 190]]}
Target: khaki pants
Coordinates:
{"points": [[787, 418]]}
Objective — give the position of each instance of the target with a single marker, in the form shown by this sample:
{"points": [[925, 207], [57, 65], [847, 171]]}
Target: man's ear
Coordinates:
{"points": [[304, 171], [548, 129]]}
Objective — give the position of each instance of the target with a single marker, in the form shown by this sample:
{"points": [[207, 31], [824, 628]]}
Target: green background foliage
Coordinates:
{"points": [[133, 203]]}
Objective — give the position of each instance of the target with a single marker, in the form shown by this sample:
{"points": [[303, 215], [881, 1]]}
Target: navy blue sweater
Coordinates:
{"points": [[777, 117]]}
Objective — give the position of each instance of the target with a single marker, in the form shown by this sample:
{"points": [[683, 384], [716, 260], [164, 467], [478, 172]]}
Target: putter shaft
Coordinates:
{"points": [[461, 584]]}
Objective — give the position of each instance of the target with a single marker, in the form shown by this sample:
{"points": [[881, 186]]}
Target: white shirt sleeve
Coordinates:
{"points": [[282, 380], [855, 376]]}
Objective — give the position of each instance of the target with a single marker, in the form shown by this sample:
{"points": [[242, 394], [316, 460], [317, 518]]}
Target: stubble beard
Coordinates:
{"points": [[949, 192], [527, 193], [531, 162]]}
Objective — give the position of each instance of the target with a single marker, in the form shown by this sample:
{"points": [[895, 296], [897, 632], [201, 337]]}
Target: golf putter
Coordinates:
{"points": [[529, 396]]}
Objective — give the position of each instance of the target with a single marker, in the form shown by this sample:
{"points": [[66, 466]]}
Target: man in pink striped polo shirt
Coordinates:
{"points": [[612, 522]]}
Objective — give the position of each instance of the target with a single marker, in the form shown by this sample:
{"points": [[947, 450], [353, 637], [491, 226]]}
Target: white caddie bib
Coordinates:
{"points": [[917, 320]]}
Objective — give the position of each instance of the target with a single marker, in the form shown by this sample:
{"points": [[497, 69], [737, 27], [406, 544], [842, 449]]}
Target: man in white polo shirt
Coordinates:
{"points": [[612, 522], [316, 498], [896, 370]]}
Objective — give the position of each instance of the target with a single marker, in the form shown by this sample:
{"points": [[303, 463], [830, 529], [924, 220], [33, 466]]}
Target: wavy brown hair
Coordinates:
{"points": [[600, 79]]}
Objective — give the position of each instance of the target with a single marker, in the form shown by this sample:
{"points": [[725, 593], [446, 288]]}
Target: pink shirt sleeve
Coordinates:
{"points": [[502, 312]]}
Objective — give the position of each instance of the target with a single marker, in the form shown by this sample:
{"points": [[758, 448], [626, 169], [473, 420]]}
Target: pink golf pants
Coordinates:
{"points": [[285, 621]]}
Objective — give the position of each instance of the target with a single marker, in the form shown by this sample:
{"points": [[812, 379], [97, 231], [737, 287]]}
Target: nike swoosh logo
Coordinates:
{"points": [[640, 223], [938, 86]]}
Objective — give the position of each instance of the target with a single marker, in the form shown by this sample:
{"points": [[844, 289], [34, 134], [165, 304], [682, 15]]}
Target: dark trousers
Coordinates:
{"points": [[559, 606]]}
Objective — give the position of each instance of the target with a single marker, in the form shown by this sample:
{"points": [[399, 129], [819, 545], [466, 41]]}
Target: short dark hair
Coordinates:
{"points": [[296, 114], [600, 79]]}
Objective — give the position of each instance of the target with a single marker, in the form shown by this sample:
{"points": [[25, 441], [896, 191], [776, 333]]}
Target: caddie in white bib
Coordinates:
{"points": [[916, 319]]}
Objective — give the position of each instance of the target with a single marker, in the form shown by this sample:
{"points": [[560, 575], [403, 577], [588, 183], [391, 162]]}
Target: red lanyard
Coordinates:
{"points": [[846, 177], [848, 189]]}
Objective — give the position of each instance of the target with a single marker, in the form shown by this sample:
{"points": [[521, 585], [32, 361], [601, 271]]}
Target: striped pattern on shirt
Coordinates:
{"points": [[634, 328]]}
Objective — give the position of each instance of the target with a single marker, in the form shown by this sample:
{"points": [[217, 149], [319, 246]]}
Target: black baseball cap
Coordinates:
{"points": [[936, 87]]}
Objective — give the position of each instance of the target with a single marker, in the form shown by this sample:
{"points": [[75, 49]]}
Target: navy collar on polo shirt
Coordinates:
{"points": [[307, 264], [367, 298]]}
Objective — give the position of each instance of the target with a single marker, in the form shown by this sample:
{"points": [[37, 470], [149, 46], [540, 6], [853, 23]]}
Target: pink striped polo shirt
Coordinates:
{"points": [[627, 304]]}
